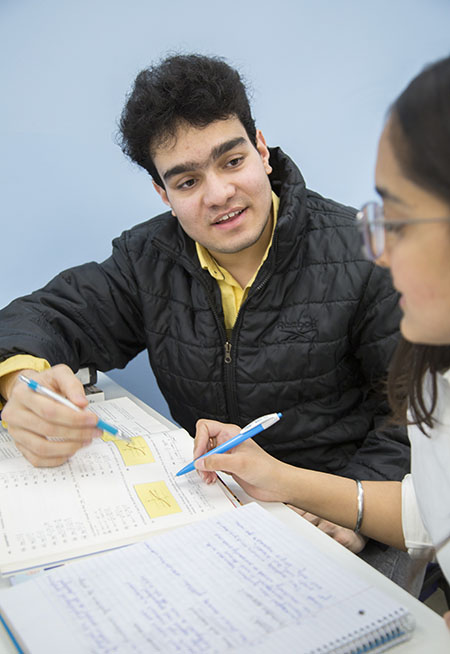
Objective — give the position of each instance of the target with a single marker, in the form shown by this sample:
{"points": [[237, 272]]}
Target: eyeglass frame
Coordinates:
{"points": [[365, 225]]}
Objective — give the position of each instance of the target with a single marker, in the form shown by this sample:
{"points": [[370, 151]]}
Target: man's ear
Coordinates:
{"points": [[163, 195], [263, 151], [161, 192]]}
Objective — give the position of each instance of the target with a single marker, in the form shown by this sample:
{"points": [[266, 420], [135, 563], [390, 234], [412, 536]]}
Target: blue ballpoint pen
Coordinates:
{"points": [[255, 427], [42, 390]]}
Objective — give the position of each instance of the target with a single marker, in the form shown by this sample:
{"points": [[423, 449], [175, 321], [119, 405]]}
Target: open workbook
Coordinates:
{"points": [[109, 494], [238, 582]]}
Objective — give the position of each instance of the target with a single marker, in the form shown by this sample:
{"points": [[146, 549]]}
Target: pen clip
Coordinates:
{"points": [[256, 422]]}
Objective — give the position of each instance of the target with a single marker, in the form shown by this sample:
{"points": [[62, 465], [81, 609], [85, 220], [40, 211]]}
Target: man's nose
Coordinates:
{"points": [[217, 190]]}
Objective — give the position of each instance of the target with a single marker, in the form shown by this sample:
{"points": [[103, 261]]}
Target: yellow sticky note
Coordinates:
{"points": [[157, 499], [136, 452], [109, 437]]}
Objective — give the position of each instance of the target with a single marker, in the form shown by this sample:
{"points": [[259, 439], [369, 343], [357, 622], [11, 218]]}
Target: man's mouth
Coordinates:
{"points": [[228, 217]]}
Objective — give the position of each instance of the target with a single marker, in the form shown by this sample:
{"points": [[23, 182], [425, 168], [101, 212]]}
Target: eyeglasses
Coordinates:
{"points": [[374, 229]]}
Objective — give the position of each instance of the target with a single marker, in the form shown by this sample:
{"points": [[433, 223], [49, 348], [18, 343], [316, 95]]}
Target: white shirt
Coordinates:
{"points": [[426, 492]]}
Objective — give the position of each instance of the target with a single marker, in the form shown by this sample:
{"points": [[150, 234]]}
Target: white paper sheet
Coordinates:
{"points": [[240, 582], [109, 493]]}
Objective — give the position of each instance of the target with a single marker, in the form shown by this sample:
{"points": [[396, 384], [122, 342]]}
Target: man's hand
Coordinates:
{"points": [[346, 537], [46, 432], [447, 619]]}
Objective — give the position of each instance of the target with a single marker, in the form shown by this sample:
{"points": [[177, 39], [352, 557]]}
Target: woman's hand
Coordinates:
{"points": [[258, 473]]}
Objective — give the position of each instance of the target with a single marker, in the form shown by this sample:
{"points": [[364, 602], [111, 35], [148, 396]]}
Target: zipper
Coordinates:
{"points": [[230, 390], [230, 380], [227, 348], [228, 369]]}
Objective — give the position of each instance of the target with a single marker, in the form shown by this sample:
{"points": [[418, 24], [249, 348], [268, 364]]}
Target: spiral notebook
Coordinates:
{"points": [[239, 582]]}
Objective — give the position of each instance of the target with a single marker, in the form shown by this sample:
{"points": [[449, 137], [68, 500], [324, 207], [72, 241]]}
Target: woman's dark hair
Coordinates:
{"points": [[420, 137], [193, 89], [405, 380]]}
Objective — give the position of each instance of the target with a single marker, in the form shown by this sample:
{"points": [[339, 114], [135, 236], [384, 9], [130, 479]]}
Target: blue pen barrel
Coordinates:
{"points": [[248, 432], [109, 428], [236, 440]]}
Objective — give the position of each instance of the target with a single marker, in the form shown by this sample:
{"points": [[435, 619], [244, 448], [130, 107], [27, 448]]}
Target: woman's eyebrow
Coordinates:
{"points": [[385, 194]]}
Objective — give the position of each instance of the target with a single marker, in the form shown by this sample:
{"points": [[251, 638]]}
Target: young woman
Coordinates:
{"points": [[410, 233]]}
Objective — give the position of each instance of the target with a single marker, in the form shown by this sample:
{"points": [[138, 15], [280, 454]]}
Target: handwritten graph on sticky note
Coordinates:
{"points": [[133, 454], [157, 499]]}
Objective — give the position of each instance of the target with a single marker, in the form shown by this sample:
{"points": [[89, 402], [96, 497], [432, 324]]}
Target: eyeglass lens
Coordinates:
{"points": [[373, 215]]}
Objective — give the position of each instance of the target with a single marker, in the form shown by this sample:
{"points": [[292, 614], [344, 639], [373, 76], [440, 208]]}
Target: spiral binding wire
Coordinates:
{"points": [[374, 639]]}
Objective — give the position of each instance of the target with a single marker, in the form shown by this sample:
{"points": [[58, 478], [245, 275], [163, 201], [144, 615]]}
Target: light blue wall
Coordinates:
{"points": [[322, 74]]}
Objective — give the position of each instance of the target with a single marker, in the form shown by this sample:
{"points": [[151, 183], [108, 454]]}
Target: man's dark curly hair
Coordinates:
{"points": [[192, 88]]}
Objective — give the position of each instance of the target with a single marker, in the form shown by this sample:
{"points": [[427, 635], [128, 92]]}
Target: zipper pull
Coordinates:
{"points": [[227, 352]]}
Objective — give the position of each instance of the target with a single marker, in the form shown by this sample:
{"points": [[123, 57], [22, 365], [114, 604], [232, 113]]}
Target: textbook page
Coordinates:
{"points": [[240, 582], [108, 494]]}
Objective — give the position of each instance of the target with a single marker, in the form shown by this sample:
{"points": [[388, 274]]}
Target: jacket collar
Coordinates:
{"points": [[288, 183]]}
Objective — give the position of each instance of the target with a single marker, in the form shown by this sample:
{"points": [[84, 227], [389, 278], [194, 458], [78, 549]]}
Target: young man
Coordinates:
{"points": [[250, 295]]}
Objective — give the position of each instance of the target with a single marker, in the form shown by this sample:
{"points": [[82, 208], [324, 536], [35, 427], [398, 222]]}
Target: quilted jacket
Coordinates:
{"points": [[312, 340]]}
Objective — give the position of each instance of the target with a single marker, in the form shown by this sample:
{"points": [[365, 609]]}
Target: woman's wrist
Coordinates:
{"points": [[289, 483], [319, 493]]}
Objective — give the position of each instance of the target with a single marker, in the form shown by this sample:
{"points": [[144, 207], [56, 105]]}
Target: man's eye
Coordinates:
{"points": [[188, 183], [235, 162]]}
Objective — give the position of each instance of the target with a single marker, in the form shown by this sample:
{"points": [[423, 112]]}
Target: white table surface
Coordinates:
{"points": [[430, 635]]}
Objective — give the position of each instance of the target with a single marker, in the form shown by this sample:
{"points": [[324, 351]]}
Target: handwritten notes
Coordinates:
{"points": [[109, 493], [240, 582]]}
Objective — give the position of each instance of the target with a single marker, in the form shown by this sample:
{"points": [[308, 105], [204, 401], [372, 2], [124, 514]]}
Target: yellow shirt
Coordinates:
{"points": [[21, 362], [233, 295]]}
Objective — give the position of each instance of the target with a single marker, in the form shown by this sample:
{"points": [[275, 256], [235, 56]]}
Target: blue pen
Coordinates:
{"points": [[42, 390], [249, 431]]}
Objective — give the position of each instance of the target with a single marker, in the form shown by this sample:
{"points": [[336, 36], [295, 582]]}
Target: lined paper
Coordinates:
{"points": [[240, 582]]}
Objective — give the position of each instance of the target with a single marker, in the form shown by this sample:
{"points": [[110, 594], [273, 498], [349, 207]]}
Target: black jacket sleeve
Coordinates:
{"points": [[87, 315]]}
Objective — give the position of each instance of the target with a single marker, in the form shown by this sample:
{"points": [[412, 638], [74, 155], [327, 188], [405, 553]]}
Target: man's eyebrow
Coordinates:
{"points": [[180, 168], [385, 194], [221, 149], [216, 153]]}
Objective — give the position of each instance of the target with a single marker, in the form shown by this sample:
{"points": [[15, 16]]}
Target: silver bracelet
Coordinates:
{"points": [[359, 517]]}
